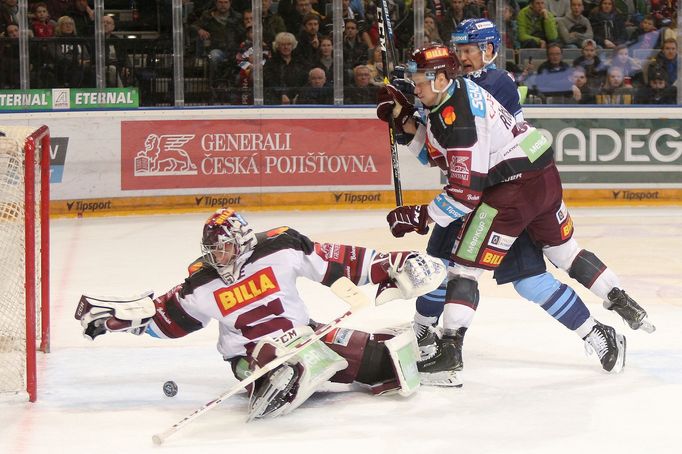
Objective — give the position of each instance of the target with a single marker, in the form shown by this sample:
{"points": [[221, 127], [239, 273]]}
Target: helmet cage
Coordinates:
{"points": [[226, 232]]}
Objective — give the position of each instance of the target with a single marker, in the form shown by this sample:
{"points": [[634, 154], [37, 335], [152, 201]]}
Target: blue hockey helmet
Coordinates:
{"points": [[477, 31]]}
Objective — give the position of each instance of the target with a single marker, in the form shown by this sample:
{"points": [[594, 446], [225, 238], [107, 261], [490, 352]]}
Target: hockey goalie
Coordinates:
{"points": [[247, 282]]}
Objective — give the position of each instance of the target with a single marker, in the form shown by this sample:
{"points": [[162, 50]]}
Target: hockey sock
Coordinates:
{"points": [[593, 274], [431, 304], [557, 299]]}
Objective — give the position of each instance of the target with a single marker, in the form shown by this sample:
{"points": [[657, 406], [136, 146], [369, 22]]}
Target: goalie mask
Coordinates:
{"points": [[226, 240]]}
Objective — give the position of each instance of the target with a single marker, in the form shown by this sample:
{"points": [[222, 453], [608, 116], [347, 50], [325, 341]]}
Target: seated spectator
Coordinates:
{"points": [[115, 56], [457, 11], [59, 8], [633, 11], [83, 16], [273, 23], [595, 69], [243, 95], [608, 26], [294, 19], [646, 36], [325, 58], [666, 60], [9, 11], [614, 91], [560, 8], [9, 58], [553, 75], [316, 91], [361, 91], [219, 32], [574, 28], [657, 91], [581, 91], [431, 30], [71, 57], [376, 67], [664, 11], [631, 68], [309, 39], [42, 25], [537, 26], [355, 51], [283, 74]]}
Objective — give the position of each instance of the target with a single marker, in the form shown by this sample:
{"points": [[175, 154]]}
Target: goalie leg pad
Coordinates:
{"points": [[291, 384]]}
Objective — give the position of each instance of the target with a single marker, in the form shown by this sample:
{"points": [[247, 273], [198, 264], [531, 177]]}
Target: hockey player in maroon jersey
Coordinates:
{"points": [[247, 282], [501, 180]]}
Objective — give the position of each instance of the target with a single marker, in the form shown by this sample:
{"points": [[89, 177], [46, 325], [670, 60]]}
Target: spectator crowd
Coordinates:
{"points": [[564, 51]]}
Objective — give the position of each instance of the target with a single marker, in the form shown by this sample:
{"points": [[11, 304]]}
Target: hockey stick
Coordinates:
{"points": [[388, 59], [344, 289]]}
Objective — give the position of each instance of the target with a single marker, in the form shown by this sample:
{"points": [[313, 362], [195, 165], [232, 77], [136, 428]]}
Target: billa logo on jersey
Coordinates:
{"points": [[567, 228], [493, 258], [256, 287], [449, 115]]}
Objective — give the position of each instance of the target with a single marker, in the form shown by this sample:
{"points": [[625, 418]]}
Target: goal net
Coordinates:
{"points": [[24, 256]]}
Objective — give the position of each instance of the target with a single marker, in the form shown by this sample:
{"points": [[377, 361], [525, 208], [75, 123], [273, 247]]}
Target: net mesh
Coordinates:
{"points": [[13, 258]]}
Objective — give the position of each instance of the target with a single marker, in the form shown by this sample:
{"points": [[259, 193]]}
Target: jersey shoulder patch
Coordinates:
{"points": [[279, 239], [201, 273]]}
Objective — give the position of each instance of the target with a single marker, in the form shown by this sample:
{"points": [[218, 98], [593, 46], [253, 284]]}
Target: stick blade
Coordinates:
{"points": [[345, 289]]}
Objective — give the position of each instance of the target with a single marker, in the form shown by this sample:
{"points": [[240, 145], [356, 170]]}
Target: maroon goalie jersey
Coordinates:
{"points": [[264, 300]]}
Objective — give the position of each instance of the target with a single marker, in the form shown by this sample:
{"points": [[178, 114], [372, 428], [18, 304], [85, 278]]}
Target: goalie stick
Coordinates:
{"points": [[344, 289], [388, 59]]}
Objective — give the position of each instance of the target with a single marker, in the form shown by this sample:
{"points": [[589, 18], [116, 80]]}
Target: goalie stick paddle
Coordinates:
{"points": [[344, 289], [388, 59]]}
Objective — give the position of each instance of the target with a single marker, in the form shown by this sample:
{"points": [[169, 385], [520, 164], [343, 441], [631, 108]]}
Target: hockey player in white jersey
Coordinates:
{"points": [[247, 282]]}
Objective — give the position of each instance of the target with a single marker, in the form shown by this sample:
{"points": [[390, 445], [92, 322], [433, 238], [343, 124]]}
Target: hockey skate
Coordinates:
{"points": [[444, 366], [608, 345], [633, 314], [427, 336]]}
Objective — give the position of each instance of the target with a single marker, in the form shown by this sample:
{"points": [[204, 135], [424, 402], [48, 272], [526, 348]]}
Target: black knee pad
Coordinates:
{"points": [[376, 365], [463, 289], [586, 268]]}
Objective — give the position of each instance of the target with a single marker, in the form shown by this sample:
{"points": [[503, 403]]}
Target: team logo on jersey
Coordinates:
{"points": [[274, 232], [256, 287], [449, 115], [491, 257], [499, 241], [460, 166]]}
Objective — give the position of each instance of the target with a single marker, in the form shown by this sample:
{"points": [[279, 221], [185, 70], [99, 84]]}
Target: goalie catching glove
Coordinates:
{"points": [[391, 102], [405, 275], [100, 315]]}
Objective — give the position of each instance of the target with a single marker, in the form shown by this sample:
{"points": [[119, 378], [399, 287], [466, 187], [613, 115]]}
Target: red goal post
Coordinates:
{"points": [[25, 259]]}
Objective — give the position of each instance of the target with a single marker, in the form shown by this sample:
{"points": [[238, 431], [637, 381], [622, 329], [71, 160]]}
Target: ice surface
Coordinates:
{"points": [[529, 388]]}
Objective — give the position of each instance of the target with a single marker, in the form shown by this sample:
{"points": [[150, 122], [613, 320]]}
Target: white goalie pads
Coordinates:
{"points": [[418, 275], [287, 387], [404, 355]]}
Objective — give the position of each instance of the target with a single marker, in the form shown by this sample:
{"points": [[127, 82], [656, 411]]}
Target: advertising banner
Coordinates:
{"points": [[617, 151], [69, 98], [176, 154]]}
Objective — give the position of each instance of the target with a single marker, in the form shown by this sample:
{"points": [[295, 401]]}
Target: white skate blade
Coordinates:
{"points": [[647, 326], [620, 362], [446, 379]]}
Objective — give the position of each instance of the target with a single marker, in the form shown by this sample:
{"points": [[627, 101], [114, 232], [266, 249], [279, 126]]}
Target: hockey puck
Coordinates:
{"points": [[170, 388]]}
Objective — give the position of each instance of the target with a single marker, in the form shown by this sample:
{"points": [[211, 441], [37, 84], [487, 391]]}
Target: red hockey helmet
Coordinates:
{"points": [[434, 58], [226, 238]]}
